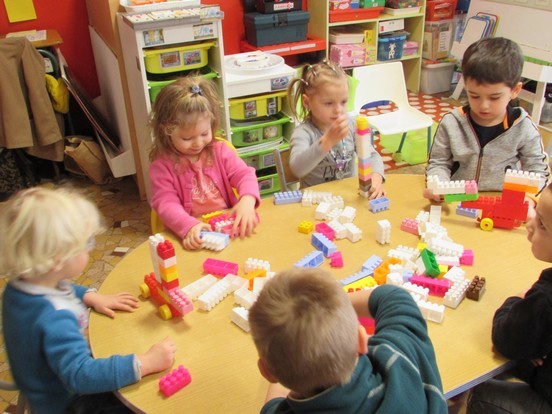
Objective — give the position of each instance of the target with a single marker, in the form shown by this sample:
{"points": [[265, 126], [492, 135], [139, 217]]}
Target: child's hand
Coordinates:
{"points": [[246, 219], [192, 240], [338, 130], [376, 189], [107, 304], [158, 358], [433, 197], [531, 212]]}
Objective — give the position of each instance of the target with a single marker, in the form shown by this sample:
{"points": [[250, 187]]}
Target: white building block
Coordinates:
{"points": [[322, 211], [422, 292], [255, 264], [435, 215], [347, 215], [339, 228], [354, 234], [456, 294], [383, 231], [444, 247], [432, 311], [200, 286], [245, 297], [240, 316]]}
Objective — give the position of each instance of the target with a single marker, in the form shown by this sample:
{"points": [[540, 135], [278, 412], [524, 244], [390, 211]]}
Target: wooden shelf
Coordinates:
{"points": [[287, 49]]}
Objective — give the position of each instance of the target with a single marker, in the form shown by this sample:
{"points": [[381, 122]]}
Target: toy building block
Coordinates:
{"points": [[326, 230], [338, 228], [195, 289], [313, 259], [305, 226], [174, 381], [240, 316], [219, 291], [404, 253], [216, 241], [431, 266], [444, 247], [347, 215], [322, 243], [258, 284], [431, 311], [180, 301], [405, 272], [451, 198], [306, 200], [219, 267], [254, 264], [333, 214], [245, 297], [435, 215], [448, 261], [529, 179], [353, 233], [467, 257], [356, 276], [154, 240], [335, 202], [288, 197], [394, 278], [372, 263], [422, 217], [322, 211], [455, 275], [381, 272], [437, 287], [476, 288], [363, 283], [471, 187], [420, 291], [379, 204], [410, 226], [320, 196], [456, 294], [336, 259], [207, 217], [467, 212], [383, 231]]}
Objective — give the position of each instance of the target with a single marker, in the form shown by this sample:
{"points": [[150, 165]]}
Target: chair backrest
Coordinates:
{"points": [[380, 82], [285, 175]]}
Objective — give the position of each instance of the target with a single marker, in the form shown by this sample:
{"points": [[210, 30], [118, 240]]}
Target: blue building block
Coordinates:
{"points": [[356, 276], [467, 212], [371, 264], [322, 243], [313, 259], [288, 197], [379, 204]]}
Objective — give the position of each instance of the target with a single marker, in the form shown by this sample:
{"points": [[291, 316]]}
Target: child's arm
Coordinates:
{"points": [[192, 239], [107, 304], [158, 358]]}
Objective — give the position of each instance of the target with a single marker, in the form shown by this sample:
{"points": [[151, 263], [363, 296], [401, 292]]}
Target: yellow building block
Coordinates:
{"points": [[305, 226]]}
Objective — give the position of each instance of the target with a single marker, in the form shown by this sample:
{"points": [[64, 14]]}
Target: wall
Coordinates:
{"points": [[70, 19]]}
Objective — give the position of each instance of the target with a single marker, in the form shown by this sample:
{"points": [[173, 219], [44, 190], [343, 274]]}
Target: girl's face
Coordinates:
{"points": [[488, 101], [539, 229], [327, 103], [192, 140]]}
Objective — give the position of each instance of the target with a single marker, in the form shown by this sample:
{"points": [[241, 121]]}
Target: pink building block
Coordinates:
{"points": [[471, 187], [174, 381], [467, 257], [437, 287], [410, 226], [219, 267], [336, 259], [326, 230], [181, 301]]}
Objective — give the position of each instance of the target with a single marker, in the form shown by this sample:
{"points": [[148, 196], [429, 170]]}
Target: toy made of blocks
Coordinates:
{"points": [[240, 316], [212, 240], [381, 272], [313, 259], [338, 228], [379, 204], [305, 226], [356, 276], [456, 294], [431, 311], [476, 288], [347, 215], [456, 275], [254, 274], [200, 286], [174, 381], [447, 261], [404, 253], [353, 233], [444, 247], [417, 290], [219, 267], [306, 200], [431, 265], [383, 231], [335, 202], [322, 243], [207, 217], [467, 212], [322, 211], [254, 264], [451, 198], [410, 226], [405, 272], [364, 283], [326, 230], [216, 293], [372, 263], [437, 287], [288, 197], [245, 297], [154, 240], [394, 278], [467, 257], [334, 214], [320, 196], [531, 181], [336, 259]]}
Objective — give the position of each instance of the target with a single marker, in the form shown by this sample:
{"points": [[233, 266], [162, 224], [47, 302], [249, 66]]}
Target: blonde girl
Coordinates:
{"points": [[192, 174], [323, 146]]}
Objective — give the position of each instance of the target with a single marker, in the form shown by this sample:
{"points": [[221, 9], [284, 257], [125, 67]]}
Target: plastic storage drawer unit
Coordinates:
{"points": [[246, 133], [155, 86], [390, 47], [272, 29], [257, 106], [174, 59]]}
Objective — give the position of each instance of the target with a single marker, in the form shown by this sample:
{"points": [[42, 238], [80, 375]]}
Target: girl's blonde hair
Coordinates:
{"points": [[42, 228], [179, 105], [312, 78], [305, 330]]}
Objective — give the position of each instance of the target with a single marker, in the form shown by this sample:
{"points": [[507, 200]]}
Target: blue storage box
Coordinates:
{"points": [[390, 46], [276, 28]]}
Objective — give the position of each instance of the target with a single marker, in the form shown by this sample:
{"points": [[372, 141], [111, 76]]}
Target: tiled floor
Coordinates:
{"points": [[127, 226]]}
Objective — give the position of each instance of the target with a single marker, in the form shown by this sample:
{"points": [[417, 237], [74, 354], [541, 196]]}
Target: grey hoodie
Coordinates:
{"points": [[518, 147]]}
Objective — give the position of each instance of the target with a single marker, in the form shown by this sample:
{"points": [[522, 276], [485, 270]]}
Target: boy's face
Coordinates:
{"points": [[488, 101], [539, 229]]}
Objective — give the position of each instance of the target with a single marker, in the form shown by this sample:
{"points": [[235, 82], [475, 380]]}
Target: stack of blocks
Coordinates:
{"points": [[364, 149]]}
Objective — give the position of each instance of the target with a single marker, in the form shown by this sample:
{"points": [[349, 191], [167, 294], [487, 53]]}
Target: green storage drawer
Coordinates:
{"points": [[245, 133], [155, 86]]}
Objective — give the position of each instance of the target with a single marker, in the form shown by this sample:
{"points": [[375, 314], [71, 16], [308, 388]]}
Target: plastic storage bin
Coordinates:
{"points": [[155, 86], [390, 46], [436, 77], [175, 59], [257, 106], [346, 35], [263, 158], [276, 28], [278, 6], [402, 4], [245, 133], [372, 3]]}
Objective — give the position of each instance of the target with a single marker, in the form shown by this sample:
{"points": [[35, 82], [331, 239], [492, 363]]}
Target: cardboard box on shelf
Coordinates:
{"points": [[438, 38]]}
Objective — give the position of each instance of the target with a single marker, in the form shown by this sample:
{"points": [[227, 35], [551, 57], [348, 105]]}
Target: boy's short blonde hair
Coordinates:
{"points": [[305, 330], [42, 228]]}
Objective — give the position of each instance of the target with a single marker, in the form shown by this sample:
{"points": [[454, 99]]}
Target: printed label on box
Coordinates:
{"points": [[279, 83], [170, 59], [268, 160], [153, 37], [203, 31]]}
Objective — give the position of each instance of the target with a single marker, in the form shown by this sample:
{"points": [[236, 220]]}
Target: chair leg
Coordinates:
{"points": [[402, 142], [428, 139]]}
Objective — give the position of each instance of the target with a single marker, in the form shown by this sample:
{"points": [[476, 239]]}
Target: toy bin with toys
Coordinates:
{"points": [[177, 58], [156, 84], [256, 106], [390, 46], [245, 133]]}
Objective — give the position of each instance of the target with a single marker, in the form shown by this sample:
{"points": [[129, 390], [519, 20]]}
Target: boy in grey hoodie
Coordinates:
{"points": [[483, 139]]}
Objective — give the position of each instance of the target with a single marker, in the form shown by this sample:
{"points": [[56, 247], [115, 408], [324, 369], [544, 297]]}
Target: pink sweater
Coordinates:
{"points": [[171, 189]]}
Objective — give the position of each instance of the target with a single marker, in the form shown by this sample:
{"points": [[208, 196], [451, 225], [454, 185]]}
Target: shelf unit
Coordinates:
{"points": [[319, 27], [139, 38]]}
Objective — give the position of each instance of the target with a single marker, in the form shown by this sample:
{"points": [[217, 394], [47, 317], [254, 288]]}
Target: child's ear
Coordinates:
{"points": [[265, 372], [516, 90], [305, 100], [362, 346]]}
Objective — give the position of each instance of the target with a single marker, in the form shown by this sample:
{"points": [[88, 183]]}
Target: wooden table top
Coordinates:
{"points": [[222, 358]]}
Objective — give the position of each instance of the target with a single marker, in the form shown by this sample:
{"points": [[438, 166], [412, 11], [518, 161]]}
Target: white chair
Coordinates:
{"points": [[288, 180], [385, 82]]}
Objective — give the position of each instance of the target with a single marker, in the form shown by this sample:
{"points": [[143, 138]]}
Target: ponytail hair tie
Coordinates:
{"points": [[196, 90]]}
